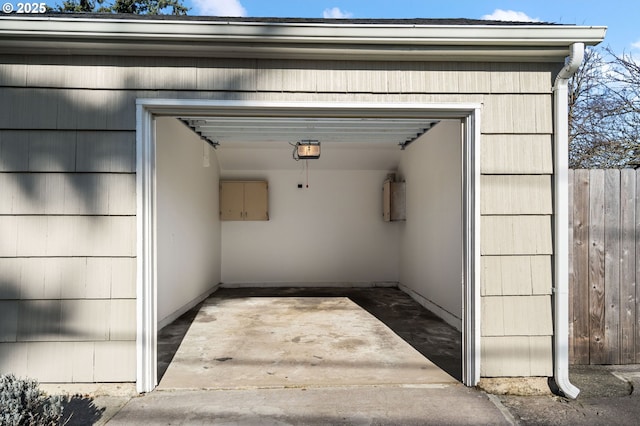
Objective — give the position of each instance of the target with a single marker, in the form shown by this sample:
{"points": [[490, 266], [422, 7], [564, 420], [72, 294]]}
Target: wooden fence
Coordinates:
{"points": [[604, 293]]}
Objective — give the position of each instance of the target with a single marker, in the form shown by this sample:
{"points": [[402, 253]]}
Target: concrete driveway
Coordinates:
{"points": [[361, 405], [609, 396], [298, 392]]}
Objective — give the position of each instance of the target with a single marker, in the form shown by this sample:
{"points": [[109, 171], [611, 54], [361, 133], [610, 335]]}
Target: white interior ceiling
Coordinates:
{"points": [[259, 143]]}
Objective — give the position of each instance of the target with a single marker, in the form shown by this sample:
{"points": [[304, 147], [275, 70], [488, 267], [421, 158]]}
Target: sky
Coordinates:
{"points": [[620, 16]]}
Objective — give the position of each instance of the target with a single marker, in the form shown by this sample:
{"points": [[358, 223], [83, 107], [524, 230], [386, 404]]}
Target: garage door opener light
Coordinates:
{"points": [[307, 150]]}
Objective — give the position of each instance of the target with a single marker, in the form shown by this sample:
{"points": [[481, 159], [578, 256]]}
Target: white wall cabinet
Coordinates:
{"points": [[244, 200]]}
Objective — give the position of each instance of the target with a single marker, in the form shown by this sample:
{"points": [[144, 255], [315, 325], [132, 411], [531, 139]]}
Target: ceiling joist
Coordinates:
{"points": [[231, 130]]}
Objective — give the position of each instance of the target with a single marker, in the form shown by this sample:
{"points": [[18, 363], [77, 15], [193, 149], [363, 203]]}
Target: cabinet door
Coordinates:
{"points": [[398, 209], [393, 201], [256, 201], [231, 201], [386, 201]]}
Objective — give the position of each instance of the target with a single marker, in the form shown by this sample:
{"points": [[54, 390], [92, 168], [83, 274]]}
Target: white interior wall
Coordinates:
{"points": [[188, 225], [331, 232], [431, 240]]}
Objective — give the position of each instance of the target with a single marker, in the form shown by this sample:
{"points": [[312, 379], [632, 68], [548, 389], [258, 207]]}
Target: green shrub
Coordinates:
{"points": [[22, 403]]}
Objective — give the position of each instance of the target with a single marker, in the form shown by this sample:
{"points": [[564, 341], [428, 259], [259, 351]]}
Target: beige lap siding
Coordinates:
{"points": [[82, 362], [516, 238], [67, 151], [516, 235], [272, 75], [41, 278], [515, 194], [518, 247], [521, 154], [67, 216], [516, 275], [513, 356]]}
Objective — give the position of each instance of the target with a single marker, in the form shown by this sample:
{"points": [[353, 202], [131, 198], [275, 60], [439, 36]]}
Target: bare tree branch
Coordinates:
{"points": [[604, 112]]}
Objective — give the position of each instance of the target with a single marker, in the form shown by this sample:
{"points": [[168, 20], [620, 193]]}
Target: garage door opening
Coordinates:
{"points": [[330, 234]]}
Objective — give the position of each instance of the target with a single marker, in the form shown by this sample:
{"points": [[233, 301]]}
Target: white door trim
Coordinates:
{"points": [[471, 249], [146, 280], [147, 109]]}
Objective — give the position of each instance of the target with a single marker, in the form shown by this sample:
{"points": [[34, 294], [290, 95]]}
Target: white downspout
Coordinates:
{"points": [[561, 222]]}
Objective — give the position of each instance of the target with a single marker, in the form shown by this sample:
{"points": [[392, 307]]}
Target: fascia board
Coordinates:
{"points": [[206, 38], [317, 52]]}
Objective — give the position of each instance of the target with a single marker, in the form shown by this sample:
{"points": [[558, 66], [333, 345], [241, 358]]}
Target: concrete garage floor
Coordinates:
{"points": [[288, 337]]}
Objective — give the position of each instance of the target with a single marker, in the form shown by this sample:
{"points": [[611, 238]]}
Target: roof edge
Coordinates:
{"points": [[252, 38]]}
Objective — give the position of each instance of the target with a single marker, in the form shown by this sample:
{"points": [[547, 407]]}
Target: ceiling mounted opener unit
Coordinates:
{"points": [[307, 150]]}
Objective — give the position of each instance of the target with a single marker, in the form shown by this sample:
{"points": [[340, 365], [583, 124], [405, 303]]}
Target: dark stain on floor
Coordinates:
{"points": [[428, 334]]}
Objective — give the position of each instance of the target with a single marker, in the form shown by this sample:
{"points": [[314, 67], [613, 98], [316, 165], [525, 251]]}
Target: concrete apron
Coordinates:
{"points": [[304, 360], [363, 405], [294, 342]]}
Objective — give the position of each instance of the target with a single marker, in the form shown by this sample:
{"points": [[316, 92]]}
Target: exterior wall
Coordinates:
{"points": [[431, 240], [69, 122], [188, 224], [331, 232], [67, 253], [516, 247]]}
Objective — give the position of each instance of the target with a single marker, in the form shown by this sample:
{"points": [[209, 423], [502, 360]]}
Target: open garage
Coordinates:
{"points": [[117, 135], [324, 225]]}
